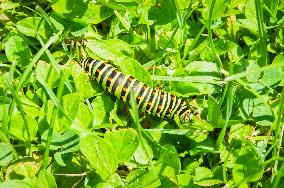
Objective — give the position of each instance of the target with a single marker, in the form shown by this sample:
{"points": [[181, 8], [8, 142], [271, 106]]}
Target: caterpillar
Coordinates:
{"points": [[150, 100]]}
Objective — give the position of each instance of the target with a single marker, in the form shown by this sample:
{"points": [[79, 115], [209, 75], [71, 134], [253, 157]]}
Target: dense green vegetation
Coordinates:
{"points": [[58, 128]]}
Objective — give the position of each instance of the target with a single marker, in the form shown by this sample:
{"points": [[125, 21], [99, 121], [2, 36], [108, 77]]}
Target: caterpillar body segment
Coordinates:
{"points": [[150, 100]]}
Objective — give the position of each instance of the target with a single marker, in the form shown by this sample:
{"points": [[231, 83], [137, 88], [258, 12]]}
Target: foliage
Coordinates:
{"points": [[60, 129]]}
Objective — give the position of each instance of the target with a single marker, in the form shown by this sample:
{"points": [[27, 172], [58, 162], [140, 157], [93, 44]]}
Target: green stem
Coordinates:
{"points": [[261, 30], [52, 123]]}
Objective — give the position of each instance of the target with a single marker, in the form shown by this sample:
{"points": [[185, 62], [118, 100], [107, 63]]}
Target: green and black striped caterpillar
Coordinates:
{"points": [[150, 100]]}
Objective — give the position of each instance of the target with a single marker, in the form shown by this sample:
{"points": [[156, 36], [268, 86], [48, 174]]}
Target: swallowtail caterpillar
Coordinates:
{"points": [[148, 99]]}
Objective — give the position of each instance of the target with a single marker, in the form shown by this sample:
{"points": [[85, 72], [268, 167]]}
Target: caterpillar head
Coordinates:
{"points": [[185, 116]]}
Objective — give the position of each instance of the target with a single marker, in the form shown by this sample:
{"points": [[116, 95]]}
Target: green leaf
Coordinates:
{"points": [[17, 50], [85, 116], [253, 72], [45, 179], [6, 154], [70, 104], [272, 76], [125, 142], [132, 67], [8, 5], [142, 178], [66, 142], [76, 26], [224, 46], [46, 72], [250, 22], [102, 106], [30, 26], [214, 112], [164, 13], [16, 184], [18, 128], [24, 168], [112, 49], [202, 173], [87, 12], [202, 78], [240, 131], [185, 180], [70, 7], [96, 13], [254, 107], [82, 82], [141, 156], [248, 166], [169, 157], [30, 106], [218, 9], [100, 154]]}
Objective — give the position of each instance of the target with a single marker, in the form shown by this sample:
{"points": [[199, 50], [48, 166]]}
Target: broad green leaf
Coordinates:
{"points": [[85, 115], [143, 11], [240, 131], [66, 142], [96, 13], [163, 14], [100, 154], [102, 106], [169, 157], [70, 104], [190, 165], [71, 7], [76, 26], [16, 184], [202, 173], [73, 167], [46, 72], [218, 9], [254, 107], [8, 5], [82, 83], [205, 146], [63, 158], [253, 72], [224, 46], [45, 179], [132, 67], [185, 180], [120, 120], [30, 106], [18, 128], [209, 182], [112, 49], [272, 76], [125, 142], [6, 154], [23, 168], [248, 166], [141, 156], [17, 50], [202, 79], [142, 178], [214, 112], [31, 26], [227, 156], [167, 175], [85, 11]]}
